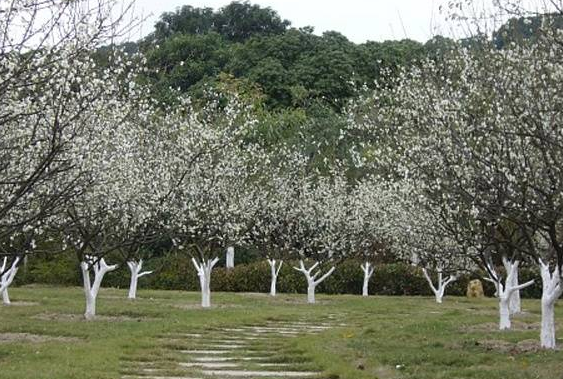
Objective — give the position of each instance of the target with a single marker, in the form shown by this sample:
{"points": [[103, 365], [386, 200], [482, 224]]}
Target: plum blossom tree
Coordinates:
{"points": [[478, 133], [313, 227], [422, 240], [212, 201], [372, 206], [50, 93], [121, 162]]}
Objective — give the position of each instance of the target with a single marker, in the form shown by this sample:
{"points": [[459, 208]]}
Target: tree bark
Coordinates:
{"points": [[6, 297], [506, 291], [230, 257], [442, 284], [91, 290], [204, 269], [135, 269], [368, 272], [551, 291], [274, 270], [7, 278], [515, 302], [504, 311], [312, 280]]}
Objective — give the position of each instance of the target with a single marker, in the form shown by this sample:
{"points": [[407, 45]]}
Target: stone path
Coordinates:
{"points": [[251, 351]]}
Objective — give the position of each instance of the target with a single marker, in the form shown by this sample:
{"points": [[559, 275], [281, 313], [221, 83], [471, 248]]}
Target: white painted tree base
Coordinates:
{"points": [[91, 290], [230, 258], [312, 280], [551, 291], [442, 284], [274, 270], [368, 270], [135, 270], [7, 278], [204, 269], [506, 291]]}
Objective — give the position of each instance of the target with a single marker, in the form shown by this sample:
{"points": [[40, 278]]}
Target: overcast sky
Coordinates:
{"points": [[359, 20]]}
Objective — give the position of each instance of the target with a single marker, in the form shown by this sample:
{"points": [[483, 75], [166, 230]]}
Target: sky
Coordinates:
{"points": [[359, 20]]}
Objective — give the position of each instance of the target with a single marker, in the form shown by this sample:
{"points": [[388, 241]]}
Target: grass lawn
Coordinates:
{"points": [[42, 335]]}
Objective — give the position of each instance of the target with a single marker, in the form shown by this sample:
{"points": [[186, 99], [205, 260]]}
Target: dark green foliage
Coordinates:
{"points": [[175, 271], [292, 67], [60, 269], [235, 22]]}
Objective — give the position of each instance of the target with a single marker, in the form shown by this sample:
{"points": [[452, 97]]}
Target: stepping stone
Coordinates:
{"points": [[231, 347], [227, 342], [225, 359], [284, 374], [211, 352], [209, 364]]}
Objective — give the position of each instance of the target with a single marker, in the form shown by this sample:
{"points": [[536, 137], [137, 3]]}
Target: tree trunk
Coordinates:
{"points": [[442, 284], [515, 302], [7, 278], [230, 257], [100, 268], [5, 297], [135, 269], [133, 287], [311, 282], [90, 312], [205, 291], [551, 291], [439, 295], [274, 270], [368, 272], [504, 307], [204, 272], [547, 338], [365, 286], [506, 291], [311, 293]]}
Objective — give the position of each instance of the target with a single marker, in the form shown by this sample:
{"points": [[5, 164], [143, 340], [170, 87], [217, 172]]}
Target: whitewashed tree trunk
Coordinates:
{"points": [[230, 257], [91, 289], [515, 304], [7, 278], [506, 291], [275, 270], [135, 269], [368, 270], [551, 291], [504, 312], [312, 281], [204, 272], [442, 284]]}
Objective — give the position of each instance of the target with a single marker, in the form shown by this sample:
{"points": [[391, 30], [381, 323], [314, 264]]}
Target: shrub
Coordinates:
{"points": [[175, 271]]}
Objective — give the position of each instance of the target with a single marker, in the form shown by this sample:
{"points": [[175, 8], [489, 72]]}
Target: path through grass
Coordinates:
{"points": [[165, 334]]}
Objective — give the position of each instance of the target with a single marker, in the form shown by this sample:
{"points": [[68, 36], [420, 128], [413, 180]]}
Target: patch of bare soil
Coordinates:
{"points": [[254, 294], [189, 307], [76, 317], [22, 304], [494, 327], [34, 338], [525, 346]]}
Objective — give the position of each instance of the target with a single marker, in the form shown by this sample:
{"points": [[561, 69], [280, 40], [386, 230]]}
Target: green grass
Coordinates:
{"points": [[384, 337]]}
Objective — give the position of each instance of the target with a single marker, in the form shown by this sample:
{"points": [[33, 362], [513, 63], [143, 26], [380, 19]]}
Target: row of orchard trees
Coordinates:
{"points": [[477, 136], [460, 162], [90, 163]]}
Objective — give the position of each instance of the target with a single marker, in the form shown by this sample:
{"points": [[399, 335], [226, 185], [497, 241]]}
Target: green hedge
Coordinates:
{"points": [[175, 271]]}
